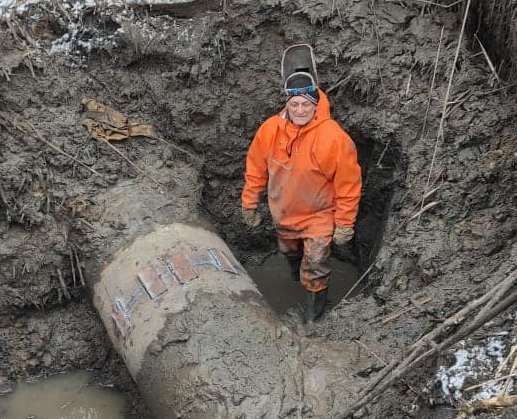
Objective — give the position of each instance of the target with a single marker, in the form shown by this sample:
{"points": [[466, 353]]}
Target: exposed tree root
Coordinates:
{"points": [[437, 340]]}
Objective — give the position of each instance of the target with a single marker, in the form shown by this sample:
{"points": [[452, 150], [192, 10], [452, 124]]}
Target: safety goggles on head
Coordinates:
{"points": [[296, 79], [298, 91]]}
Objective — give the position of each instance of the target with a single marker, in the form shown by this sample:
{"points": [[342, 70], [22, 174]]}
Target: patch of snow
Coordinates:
{"points": [[6, 3], [7, 7], [79, 37], [17, 7], [476, 363]]}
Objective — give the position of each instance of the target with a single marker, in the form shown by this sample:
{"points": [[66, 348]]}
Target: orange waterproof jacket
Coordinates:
{"points": [[312, 174]]}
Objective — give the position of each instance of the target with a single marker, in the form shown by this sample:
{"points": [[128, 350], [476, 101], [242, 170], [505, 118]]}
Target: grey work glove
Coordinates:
{"points": [[251, 217], [342, 235]]}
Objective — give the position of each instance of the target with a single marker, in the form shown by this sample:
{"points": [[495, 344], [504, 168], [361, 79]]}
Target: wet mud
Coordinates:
{"points": [[437, 218], [62, 396], [274, 281]]}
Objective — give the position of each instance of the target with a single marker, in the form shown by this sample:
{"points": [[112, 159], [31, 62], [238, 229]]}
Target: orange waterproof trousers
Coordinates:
{"points": [[314, 253]]}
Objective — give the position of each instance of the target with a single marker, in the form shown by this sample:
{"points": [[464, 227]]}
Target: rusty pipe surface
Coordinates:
{"points": [[198, 338]]}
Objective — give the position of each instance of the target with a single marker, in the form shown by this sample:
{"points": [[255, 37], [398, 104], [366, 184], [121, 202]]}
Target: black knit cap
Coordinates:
{"points": [[302, 84]]}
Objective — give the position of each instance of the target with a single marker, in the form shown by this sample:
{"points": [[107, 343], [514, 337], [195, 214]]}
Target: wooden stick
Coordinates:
{"points": [[385, 149], [339, 83], [370, 351], [55, 148], [431, 88], [404, 311], [494, 403], [501, 291], [496, 90], [512, 370], [358, 281], [133, 165], [377, 36], [444, 6], [63, 285], [78, 264], [468, 329], [502, 365], [86, 223], [488, 60], [418, 352], [461, 315], [439, 135], [431, 192], [424, 209], [3, 196], [408, 85], [495, 380], [176, 147], [72, 265]]}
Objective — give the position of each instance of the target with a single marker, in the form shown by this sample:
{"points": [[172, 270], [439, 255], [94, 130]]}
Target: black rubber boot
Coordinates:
{"points": [[315, 305], [294, 266]]}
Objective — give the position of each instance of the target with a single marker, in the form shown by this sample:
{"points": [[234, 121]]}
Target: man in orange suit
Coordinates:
{"points": [[309, 165]]}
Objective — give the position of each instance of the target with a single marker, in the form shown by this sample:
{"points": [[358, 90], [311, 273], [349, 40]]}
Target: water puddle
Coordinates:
{"points": [[64, 396], [274, 282]]}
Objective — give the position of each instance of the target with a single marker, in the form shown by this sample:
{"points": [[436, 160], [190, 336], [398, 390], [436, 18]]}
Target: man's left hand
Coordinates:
{"points": [[343, 235]]}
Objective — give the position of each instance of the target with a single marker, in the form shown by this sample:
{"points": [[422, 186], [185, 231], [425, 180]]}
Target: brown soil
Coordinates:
{"points": [[206, 80]]}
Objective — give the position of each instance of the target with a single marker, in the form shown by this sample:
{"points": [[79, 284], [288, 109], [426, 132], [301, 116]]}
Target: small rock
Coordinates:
{"points": [[360, 413], [33, 362], [47, 360]]}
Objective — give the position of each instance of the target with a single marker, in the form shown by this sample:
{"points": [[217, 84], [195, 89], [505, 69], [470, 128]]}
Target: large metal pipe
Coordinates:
{"points": [[199, 340]]}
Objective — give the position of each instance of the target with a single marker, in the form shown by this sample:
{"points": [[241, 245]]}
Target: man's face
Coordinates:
{"points": [[301, 110]]}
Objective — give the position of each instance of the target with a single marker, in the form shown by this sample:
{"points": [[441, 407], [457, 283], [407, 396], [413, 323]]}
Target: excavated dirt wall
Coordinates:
{"points": [[492, 25], [206, 82]]}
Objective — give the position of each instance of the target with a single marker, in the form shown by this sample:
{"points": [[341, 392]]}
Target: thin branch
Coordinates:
{"points": [[63, 285], [496, 90], [512, 370], [55, 148], [370, 351], [133, 165], [176, 147], [339, 83], [495, 380], [431, 88], [359, 281], [406, 310], [424, 209], [376, 30], [78, 264], [446, 100], [487, 58], [72, 267], [445, 6], [427, 346]]}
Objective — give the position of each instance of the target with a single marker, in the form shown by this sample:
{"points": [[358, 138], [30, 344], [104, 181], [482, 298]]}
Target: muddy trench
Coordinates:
{"points": [[436, 221]]}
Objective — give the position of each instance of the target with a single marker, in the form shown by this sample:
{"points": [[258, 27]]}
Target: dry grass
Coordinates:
{"points": [[494, 23]]}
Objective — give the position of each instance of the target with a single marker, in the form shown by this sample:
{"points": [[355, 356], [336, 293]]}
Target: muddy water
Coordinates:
{"points": [[274, 282], [65, 396]]}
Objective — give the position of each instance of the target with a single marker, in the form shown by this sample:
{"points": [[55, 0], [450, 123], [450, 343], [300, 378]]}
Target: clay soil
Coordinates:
{"points": [[206, 77]]}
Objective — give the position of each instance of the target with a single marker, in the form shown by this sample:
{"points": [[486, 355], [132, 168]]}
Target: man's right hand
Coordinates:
{"points": [[251, 217]]}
